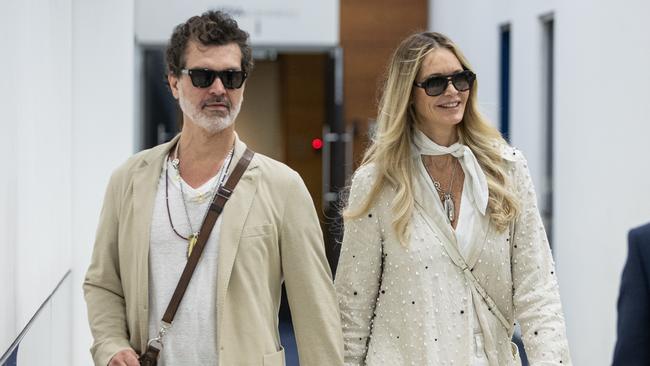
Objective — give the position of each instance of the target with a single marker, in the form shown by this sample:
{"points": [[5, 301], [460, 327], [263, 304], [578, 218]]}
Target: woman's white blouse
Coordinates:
{"points": [[413, 306]]}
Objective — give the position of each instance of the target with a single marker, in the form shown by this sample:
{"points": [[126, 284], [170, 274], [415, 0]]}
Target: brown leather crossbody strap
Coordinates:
{"points": [[216, 207], [154, 346]]}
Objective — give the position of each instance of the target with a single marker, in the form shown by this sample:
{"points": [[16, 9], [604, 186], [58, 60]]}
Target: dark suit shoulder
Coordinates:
{"points": [[639, 249], [633, 340], [640, 236]]}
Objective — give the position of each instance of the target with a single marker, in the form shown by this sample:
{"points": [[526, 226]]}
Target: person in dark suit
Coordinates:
{"points": [[633, 329]]}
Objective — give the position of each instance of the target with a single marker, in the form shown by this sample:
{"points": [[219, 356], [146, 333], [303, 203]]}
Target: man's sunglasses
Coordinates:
{"points": [[437, 85], [203, 78]]}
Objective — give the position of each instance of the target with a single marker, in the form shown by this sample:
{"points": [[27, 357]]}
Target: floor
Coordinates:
{"points": [[289, 342]]}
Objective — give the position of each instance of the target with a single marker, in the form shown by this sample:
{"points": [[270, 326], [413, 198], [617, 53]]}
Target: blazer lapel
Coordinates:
{"points": [[233, 218], [145, 185]]}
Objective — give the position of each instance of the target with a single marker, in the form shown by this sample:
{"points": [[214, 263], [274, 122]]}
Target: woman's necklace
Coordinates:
{"points": [[194, 234], [447, 198]]}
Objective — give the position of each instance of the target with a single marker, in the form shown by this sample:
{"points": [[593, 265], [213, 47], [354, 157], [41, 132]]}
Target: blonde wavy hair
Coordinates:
{"points": [[390, 149]]}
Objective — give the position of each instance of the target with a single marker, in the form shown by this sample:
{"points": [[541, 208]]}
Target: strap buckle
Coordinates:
{"points": [[224, 192], [157, 341]]}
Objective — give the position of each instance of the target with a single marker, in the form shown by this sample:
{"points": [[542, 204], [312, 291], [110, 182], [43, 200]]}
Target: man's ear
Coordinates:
{"points": [[173, 84]]}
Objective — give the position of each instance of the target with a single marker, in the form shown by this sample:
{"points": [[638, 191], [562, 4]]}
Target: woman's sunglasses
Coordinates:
{"points": [[203, 78], [437, 85]]}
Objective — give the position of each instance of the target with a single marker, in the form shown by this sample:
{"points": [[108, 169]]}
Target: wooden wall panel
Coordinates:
{"points": [[370, 31], [302, 90]]}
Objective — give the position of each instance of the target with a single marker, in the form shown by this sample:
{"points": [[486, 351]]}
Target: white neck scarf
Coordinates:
{"points": [[471, 168]]}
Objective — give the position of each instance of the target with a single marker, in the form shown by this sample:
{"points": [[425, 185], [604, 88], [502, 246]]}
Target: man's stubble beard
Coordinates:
{"points": [[211, 124]]}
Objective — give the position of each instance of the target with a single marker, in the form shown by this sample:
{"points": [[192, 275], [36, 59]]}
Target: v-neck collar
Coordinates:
{"points": [[430, 206]]}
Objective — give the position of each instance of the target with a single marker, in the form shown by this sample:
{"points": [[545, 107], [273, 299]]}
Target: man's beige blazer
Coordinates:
{"points": [[270, 233]]}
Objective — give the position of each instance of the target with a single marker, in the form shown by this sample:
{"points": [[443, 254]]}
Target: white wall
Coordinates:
{"points": [[102, 129], [47, 340], [601, 153], [67, 104], [602, 159], [8, 128], [278, 23], [35, 185]]}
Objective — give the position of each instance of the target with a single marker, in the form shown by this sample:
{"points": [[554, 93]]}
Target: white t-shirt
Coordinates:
{"points": [[192, 340]]}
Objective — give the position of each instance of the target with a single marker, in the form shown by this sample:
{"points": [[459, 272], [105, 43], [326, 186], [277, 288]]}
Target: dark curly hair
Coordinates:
{"points": [[212, 28]]}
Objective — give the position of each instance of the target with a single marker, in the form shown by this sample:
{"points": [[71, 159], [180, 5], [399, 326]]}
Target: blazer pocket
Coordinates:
{"points": [[259, 230], [275, 359]]}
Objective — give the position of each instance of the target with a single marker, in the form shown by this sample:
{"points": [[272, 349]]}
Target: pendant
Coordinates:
{"points": [[448, 204], [191, 243]]}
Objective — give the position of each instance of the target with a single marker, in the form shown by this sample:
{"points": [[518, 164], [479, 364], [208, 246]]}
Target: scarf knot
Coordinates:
{"points": [[477, 180]]}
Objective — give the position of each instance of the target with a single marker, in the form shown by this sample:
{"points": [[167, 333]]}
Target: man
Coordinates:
{"points": [[633, 341], [268, 232]]}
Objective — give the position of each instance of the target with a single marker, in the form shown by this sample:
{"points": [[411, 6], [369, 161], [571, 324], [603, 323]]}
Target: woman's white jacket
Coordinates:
{"points": [[409, 305]]}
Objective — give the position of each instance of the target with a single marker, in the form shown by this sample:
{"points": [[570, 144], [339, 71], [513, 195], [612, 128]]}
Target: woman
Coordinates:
{"points": [[444, 247]]}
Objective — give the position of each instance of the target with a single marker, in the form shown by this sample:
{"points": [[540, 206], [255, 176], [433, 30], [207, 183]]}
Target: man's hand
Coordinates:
{"points": [[126, 357]]}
